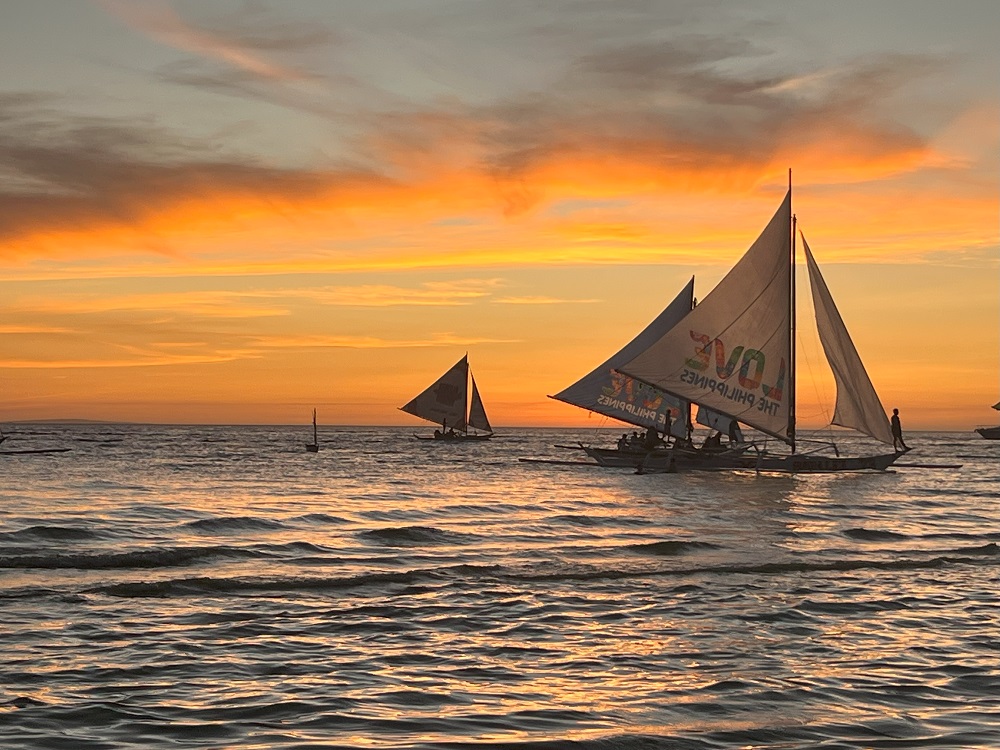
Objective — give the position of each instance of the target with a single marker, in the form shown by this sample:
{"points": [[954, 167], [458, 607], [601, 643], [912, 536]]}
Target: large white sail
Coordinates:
{"points": [[477, 412], [732, 353], [445, 402], [606, 391], [858, 405]]}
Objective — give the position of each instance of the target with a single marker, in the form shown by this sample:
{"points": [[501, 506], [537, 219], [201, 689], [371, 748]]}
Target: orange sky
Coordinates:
{"points": [[236, 228]]}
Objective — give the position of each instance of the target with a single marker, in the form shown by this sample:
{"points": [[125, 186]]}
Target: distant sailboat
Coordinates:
{"points": [[313, 447], [990, 433], [453, 402], [735, 354]]}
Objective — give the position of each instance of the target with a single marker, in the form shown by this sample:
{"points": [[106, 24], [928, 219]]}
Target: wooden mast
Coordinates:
{"points": [[791, 327]]}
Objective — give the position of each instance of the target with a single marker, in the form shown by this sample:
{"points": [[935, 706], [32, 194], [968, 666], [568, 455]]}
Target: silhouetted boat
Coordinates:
{"points": [[735, 354], [453, 401], [990, 433], [313, 447]]}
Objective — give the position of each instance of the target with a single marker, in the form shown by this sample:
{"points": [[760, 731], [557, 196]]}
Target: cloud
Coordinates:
{"points": [[665, 116], [447, 340], [542, 301], [238, 43]]}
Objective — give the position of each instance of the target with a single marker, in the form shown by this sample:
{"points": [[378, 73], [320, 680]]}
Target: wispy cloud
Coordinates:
{"points": [[542, 301], [445, 340], [238, 47]]}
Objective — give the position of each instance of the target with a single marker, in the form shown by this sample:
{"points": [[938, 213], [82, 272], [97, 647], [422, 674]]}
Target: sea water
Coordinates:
{"points": [[220, 587]]}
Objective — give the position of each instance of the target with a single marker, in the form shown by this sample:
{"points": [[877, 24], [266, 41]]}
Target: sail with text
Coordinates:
{"points": [[452, 401], [606, 391], [732, 353]]}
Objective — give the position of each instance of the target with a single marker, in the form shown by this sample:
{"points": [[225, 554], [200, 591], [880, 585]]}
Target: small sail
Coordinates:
{"points": [[477, 412], [997, 406], [858, 405], [608, 392], [732, 353], [445, 400]]}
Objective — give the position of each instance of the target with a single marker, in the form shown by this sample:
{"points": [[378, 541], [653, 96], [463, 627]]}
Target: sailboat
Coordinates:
{"points": [[313, 447], [453, 401], [608, 392], [735, 355], [990, 433]]}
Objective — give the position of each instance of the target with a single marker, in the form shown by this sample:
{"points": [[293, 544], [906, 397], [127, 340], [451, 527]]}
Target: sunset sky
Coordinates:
{"points": [[233, 212]]}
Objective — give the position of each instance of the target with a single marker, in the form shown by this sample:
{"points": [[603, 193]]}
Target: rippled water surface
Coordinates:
{"points": [[211, 587]]}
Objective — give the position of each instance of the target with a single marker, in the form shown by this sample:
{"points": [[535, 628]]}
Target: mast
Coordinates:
{"points": [[468, 393], [791, 327], [315, 436]]}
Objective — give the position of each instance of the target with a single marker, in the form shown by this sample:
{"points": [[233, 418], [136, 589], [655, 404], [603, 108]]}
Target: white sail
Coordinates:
{"points": [[477, 412], [732, 353], [606, 391], [858, 405], [445, 402]]}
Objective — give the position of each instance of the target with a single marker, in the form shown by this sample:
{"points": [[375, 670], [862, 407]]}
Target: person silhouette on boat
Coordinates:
{"points": [[897, 433], [713, 442], [735, 434], [623, 441], [651, 439]]}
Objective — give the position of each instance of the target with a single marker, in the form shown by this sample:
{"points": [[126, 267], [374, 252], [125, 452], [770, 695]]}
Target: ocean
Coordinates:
{"points": [[219, 587]]}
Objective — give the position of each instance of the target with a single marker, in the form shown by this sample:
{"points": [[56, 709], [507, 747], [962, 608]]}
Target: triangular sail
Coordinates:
{"points": [[732, 353], [445, 401], [608, 392], [477, 412], [858, 405], [997, 406]]}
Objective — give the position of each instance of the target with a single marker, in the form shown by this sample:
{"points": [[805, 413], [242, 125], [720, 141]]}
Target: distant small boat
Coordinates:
{"points": [[313, 447], [990, 433], [453, 401]]}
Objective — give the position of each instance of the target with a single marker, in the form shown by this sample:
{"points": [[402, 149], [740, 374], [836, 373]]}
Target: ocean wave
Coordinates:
{"points": [[228, 524], [208, 585], [407, 536], [873, 535], [320, 518], [143, 558], [669, 547], [58, 533]]}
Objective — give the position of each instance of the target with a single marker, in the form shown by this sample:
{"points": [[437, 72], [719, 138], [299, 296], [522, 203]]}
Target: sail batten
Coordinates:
{"points": [[858, 405], [732, 352], [610, 393]]}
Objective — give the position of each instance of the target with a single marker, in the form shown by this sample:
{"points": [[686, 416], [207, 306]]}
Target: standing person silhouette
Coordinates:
{"points": [[897, 432]]}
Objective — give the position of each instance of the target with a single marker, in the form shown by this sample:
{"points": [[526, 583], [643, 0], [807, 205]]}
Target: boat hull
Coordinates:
{"points": [[989, 433], [738, 458], [668, 459], [815, 464], [455, 438]]}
